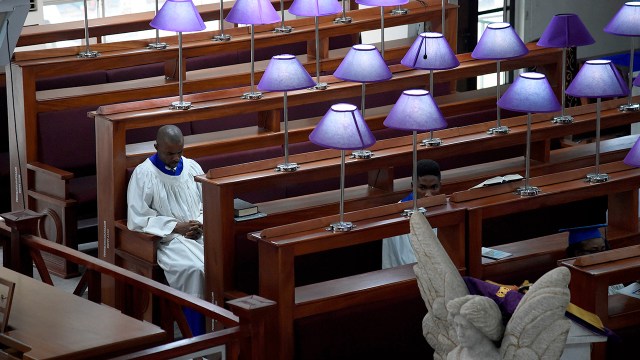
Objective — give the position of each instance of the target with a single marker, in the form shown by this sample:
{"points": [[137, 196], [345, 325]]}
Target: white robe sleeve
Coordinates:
{"points": [[140, 215]]}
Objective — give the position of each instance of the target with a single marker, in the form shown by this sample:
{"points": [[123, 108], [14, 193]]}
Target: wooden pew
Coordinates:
{"points": [[113, 25], [536, 256], [243, 334], [591, 276], [280, 246], [222, 185], [48, 186]]}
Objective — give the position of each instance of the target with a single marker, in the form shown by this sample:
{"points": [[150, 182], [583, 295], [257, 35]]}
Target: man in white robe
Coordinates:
{"points": [[397, 250], [164, 200]]}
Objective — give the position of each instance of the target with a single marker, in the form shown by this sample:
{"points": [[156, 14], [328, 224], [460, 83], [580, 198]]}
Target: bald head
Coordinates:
{"points": [[169, 134], [169, 144]]}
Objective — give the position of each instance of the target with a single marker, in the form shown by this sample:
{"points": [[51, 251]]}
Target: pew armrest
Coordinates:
{"points": [[48, 180], [140, 245]]}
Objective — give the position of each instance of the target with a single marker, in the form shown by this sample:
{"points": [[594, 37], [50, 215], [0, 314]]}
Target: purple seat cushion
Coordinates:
{"points": [[83, 189], [224, 123], [135, 72], [267, 53], [149, 133], [210, 61], [84, 79], [67, 140]]}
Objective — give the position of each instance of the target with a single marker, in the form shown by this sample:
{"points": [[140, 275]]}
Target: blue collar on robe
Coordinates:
{"points": [[164, 168], [408, 197]]}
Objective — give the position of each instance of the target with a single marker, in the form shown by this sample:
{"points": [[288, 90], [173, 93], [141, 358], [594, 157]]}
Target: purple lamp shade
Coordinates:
{"points": [[430, 51], [626, 22], [530, 93], [598, 79], [252, 12], [314, 7], [499, 42], [636, 81], [415, 110], [285, 73], [382, 2], [363, 63], [565, 31], [178, 16], [342, 128], [633, 157]]}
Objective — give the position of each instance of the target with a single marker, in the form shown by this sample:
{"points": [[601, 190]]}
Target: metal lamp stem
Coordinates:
{"points": [[631, 56], [498, 91], [180, 65], [87, 53], [382, 31], [222, 36], [286, 129], [342, 159], [598, 107], [317, 51], [414, 177], [362, 109], [527, 161]]}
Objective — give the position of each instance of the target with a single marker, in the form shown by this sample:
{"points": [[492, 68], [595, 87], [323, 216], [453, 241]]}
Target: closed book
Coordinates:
{"points": [[243, 208]]}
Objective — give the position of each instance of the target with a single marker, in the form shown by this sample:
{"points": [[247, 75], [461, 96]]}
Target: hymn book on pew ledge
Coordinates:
{"points": [[632, 290], [244, 210], [494, 254], [499, 180]]}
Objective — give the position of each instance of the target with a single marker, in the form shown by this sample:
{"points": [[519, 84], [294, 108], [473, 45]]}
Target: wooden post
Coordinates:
{"points": [[21, 222], [253, 311]]}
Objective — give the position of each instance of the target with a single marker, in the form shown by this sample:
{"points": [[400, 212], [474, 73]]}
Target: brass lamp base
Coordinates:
{"points": [[597, 178], [340, 226], [89, 54], [342, 20], [157, 46], [180, 105], [629, 107], [399, 11], [287, 167], [409, 212], [431, 142], [361, 154], [565, 119], [527, 191], [498, 130], [283, 29], [320, 86], [222, 37], [255, 95]]}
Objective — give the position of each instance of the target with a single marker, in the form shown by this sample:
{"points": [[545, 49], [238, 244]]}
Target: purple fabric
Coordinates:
{"points": [[506, 298], [211, 61], [67, 139], [65, 81], [135, 72], [224, 123]]}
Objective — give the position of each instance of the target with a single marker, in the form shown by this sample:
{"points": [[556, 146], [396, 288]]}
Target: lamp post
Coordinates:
{"points": [[626, 22], [382, 4], [529, 93], [315, 8], [342, 128], [252, 12], [565, 31], [282, 28], [415, 111], [285, 73], [178, 16], [430, 51], [597, 79], [87, 53], [363, 64], [499, 42], [157, 45], [222, 36]]}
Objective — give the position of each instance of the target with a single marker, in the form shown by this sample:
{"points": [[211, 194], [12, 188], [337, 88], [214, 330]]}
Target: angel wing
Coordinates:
{"points": [[538, 328], [439, 281]]}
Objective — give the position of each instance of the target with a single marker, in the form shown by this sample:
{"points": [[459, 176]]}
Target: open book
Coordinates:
{"points": [[632, 290], [499, 180]]}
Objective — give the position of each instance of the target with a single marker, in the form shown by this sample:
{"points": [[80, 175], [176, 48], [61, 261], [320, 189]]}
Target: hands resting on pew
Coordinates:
{"points": [[191, 229]]}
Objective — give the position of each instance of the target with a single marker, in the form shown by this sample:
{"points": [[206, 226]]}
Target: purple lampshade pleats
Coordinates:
{"points": [[626, 22], [178, 16], [342, 128], [499, 41], [430, 51], [530, 93], [363, 63], [598, 79], [314, 7], [565, 31], [415, 110], [252, 12], [285, 73]]}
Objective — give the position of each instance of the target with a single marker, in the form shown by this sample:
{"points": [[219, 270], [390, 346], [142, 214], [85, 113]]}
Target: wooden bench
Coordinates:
{"points": [[61, 184], [531, 258], [222, 185], [280, 246], [244, 331]]}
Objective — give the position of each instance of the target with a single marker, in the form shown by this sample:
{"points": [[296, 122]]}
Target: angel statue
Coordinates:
{"points": [[462, 326]]}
